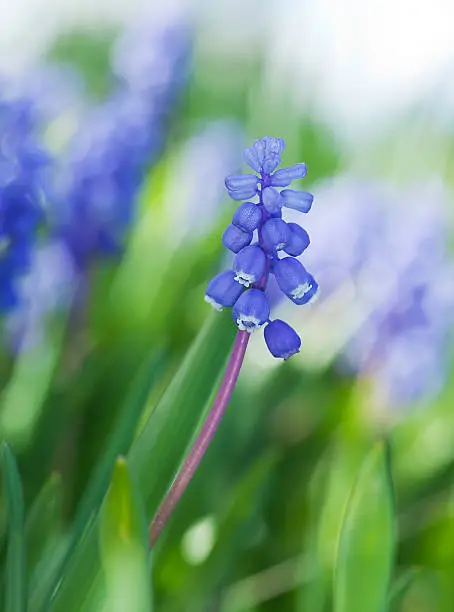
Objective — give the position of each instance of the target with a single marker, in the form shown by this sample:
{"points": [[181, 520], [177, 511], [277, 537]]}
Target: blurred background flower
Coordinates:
{"points": [[381, 253]]}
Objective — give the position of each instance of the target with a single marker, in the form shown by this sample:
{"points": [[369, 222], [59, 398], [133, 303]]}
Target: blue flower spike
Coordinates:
{"points": [[254, 262]]}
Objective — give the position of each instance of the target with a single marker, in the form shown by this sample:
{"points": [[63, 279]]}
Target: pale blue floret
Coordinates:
{"points": [[298, 200], [264, 154], [241, 187], [283, 177]]}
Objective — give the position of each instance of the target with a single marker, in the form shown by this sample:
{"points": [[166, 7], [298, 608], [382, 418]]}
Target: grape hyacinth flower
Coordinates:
{"points": [[22, 162], [243, 288], [254, 263], [388, 284], [107, 159]]}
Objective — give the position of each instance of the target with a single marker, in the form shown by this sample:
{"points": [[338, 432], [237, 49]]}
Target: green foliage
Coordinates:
{"points": [[124, 545], [367, 539], [400, 589], [14, 587]]}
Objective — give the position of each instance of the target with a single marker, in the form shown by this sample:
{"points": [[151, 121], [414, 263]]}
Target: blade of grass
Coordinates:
{"points": [[43, 521], [400, 589], [366, 547], [15, 586], [124, 546]]}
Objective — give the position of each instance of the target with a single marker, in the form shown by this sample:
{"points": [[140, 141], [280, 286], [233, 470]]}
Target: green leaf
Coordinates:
{"points": [[422, 443], [163, 442], [119, 442], [400, 589], [15, 587], [170, 429], [22, 399], [312, 593], [124, 546], [367, 540], [43, 522]]}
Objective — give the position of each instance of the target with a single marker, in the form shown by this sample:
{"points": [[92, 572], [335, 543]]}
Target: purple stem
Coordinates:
{"points": [[203, 439]]}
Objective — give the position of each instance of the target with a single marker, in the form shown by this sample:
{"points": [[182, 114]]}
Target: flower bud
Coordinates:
{"points": [[298, 240], [235, 238], [294, 280], [272, 200], [275, 234], [281, 339], [251, 310], [249, 265], [298, 200], [241, 186], [248, 217], [283, 177], [223, 290]]}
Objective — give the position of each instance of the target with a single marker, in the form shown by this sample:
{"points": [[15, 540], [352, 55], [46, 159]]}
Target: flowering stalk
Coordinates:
{"points": [[204, 438], [243, 287]]}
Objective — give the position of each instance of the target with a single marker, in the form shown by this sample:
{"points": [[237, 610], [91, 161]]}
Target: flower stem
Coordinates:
{"points": [[203, 439]]}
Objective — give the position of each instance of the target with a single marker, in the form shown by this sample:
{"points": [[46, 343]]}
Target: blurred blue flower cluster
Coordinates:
{"points": [[22, 161], [254, 262], [391, 245], [84, 201], [106, 160]]}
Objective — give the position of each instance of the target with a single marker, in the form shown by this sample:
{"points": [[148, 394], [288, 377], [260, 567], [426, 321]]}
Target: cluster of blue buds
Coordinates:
{"points": [[21, 194], [243, 287]]}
